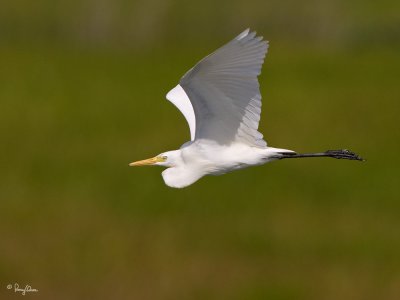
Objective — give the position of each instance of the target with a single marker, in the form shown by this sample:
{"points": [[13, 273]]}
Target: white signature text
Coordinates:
{"points": [[23, 291]]}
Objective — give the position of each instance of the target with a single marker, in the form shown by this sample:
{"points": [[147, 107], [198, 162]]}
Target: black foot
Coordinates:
{"points": [[344, 154]]}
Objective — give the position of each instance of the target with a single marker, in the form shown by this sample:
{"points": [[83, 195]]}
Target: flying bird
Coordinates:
{"points": [[221, 101]]}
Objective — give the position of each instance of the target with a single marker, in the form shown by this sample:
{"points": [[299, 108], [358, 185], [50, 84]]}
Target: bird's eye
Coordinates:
{"points": [[164, 157]]}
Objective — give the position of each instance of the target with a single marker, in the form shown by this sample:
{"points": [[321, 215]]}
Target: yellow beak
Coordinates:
{"points": [[146, 162]]}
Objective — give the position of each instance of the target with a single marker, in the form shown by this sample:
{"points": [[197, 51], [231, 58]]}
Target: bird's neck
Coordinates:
{"points": [[180, 177]]}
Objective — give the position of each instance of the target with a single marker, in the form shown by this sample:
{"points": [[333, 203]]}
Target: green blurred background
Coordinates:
{"points": [[82, 91]]}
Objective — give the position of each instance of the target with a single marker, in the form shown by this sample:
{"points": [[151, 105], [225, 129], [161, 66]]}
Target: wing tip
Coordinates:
{"points": [[252, 35], [243, 34]]}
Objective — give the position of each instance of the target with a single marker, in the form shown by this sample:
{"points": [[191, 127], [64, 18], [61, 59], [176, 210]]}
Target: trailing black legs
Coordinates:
{"points": [[338, 154]]}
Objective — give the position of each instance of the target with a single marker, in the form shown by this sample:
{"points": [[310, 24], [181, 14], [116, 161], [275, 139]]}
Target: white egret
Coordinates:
{"points": [[220, 99]]}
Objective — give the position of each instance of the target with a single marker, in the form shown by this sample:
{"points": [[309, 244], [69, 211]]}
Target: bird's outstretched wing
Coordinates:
{"points": [[220, 96]]}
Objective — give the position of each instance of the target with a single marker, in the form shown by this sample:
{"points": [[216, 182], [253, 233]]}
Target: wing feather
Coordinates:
{"points": [[224, 94]]}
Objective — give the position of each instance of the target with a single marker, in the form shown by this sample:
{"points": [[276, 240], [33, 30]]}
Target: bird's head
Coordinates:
{"points": [[177, 175], [166, 159]]}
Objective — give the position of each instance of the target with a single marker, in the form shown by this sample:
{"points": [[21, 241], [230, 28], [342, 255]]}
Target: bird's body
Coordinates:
{"points": [[204, 157], [221, 101]]}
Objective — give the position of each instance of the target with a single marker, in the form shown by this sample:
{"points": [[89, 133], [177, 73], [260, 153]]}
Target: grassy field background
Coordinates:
{"points": [[82, 97]]}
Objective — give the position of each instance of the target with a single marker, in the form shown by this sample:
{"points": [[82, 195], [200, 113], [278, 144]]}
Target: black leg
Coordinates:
{"points": [[339, 154]]}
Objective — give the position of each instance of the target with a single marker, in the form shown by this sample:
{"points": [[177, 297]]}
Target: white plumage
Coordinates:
{"points": [[221, 101], [180, 99], [224, 92]]}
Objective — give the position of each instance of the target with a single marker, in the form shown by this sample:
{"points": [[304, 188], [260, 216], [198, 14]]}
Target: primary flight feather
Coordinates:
{"points": [[221, 102]]}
